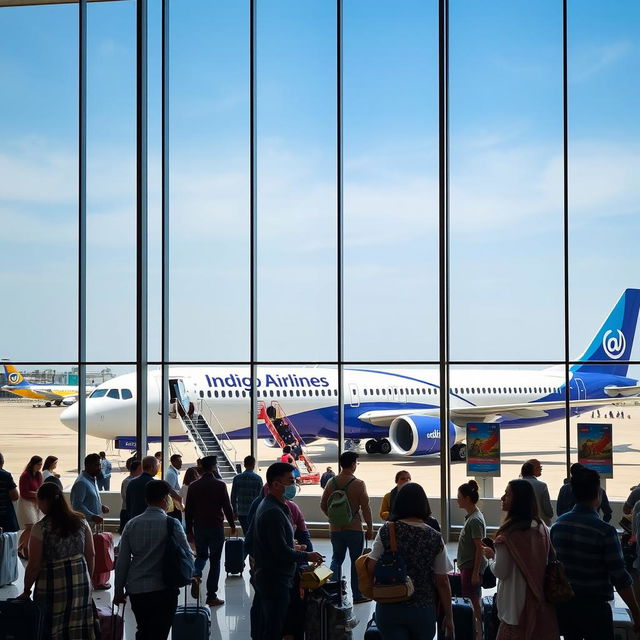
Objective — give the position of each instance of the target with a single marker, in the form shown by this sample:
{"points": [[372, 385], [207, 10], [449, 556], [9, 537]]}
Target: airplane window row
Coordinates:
{"points": [[116, 394], [278, 393], [456, 390]]}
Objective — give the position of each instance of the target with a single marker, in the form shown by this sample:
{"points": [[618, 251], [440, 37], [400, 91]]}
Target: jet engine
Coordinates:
{"points": [[418, 435]]}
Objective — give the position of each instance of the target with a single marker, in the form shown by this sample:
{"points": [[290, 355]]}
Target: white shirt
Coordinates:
{"points": [[512, 587], [441, 563]]}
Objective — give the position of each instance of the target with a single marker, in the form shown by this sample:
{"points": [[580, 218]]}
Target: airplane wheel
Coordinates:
{"points": [[372, 446], [459, 452], [385, 446], [47, 404]]}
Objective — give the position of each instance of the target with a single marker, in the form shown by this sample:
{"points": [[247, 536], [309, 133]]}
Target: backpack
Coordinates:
{"points": [[339, 507], [391, 582], [177, 566]]}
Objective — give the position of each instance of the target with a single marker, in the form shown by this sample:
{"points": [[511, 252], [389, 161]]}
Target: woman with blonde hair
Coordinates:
{"points": [[28, 512], [61, 560]]}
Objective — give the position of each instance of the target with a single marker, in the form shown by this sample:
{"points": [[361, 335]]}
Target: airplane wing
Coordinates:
{"points": [[48, 394], [492, 413]]}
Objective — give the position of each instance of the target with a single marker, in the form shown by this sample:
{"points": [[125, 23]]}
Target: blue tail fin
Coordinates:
{"points": [[614, 341]]}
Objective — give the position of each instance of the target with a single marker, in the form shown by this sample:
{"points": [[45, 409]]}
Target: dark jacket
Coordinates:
{"points": [[326, 476], [136, 503], [275, 557], [566, 502], [207, 500]]}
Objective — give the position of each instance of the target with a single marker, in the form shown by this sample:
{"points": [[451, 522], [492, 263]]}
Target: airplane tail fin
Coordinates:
{"points": [[614, 340], [14, 377]]}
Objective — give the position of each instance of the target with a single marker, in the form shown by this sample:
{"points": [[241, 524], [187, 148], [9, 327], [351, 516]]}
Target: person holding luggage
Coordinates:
{"points": [[61, 557], [85, 496], [522, 547], [207, 505], [8, 495], [422, 549], [275, 554], [470, 550], [139, 567], [28, 513], [343, 501], [388, 500], [245, 489]]}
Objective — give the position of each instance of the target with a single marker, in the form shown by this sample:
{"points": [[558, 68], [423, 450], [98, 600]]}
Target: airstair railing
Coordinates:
{"points": [[223, 437]]}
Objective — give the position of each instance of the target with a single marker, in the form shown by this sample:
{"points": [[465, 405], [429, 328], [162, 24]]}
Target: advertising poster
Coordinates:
{"points": [[483, 449], [595, 447]]}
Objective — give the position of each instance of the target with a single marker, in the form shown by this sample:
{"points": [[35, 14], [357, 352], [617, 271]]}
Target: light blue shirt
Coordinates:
{"points": [[172, 477], [85, 496], [141, 555], [105, 467]]}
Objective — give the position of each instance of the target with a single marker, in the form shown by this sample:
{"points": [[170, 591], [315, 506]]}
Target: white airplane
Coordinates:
{"points": [[394, 409]]}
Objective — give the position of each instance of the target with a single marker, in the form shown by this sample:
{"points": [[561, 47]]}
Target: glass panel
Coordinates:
{"points": [[32, 400], [111, 186], [296, 181], [39, 183], [506, 181], [604, 164], [209, 181], [391, 181]]}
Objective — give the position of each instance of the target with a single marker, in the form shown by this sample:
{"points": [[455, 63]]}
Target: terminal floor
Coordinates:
{"points": [[231, 620]]}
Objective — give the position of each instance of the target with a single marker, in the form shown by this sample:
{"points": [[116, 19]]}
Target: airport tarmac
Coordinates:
{"points": [[26, 431]]}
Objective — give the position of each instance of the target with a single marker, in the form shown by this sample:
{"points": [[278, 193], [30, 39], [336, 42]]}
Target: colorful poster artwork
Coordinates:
{"points": [[483, 449], [595, 447]]}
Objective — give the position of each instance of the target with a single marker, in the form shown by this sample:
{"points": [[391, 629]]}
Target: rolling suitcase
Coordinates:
{"points": [[111, 621], [455, 581], [8, 558], [21, 620], [105, 559], [328, 614], [191, 622], [234, 555], [372, 632], [622, 624], [490, 621], [462, 619]]}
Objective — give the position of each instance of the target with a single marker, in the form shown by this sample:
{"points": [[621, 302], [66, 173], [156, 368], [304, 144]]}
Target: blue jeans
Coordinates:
{"points": [[403, 622], [354, 542], [209, 544]]}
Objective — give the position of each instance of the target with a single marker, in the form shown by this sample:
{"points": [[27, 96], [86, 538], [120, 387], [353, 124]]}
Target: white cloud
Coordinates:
{"points": [[589, 61]]}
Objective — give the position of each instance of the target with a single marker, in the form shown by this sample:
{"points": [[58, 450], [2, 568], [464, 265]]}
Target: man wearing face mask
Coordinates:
{"points": [[207, 501], [275, 553]]}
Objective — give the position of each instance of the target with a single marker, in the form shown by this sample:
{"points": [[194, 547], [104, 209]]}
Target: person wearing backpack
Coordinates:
{"points": [[408, 550], [346, 504]]}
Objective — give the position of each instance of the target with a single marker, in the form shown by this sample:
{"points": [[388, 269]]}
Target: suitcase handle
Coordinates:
{"points": [[114, 616]]}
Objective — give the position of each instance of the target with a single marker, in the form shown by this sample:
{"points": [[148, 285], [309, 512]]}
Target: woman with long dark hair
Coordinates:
{"points": [[521, 550], [424, 553], [28, 512], [61, 559], [49, 467]]}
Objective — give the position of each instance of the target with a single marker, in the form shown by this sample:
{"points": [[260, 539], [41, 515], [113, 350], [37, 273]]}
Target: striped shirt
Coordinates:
{"points": [[590, 551]]}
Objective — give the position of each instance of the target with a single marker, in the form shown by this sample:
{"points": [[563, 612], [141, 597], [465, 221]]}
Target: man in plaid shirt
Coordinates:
{"points": [[245, 489]]}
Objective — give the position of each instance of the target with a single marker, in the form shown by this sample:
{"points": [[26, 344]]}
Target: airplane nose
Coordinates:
{"points": [[69, 417]]}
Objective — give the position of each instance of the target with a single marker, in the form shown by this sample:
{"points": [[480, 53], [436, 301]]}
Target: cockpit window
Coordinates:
{"points": [[99, 393], [126, 394], [113, 393]]}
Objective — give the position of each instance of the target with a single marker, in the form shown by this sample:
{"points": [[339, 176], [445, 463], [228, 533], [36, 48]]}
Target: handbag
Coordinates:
{"points": [[177, 565], [391, 582], [556, 586]]}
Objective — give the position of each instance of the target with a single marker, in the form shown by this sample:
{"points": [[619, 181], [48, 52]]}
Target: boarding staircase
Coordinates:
{"points": [[308, 472], [207, 441]]}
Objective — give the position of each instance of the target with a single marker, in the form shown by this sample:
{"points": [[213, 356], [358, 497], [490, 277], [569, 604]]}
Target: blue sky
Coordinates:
{"points": [[506, 178]]}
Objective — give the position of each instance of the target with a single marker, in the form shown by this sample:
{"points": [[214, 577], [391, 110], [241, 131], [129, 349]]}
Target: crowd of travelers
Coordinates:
{"points": [[579, 555]]}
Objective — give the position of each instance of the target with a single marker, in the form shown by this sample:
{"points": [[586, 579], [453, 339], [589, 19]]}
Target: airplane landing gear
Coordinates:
{"points": [[380, 445], [458, 452], [351, 444]]}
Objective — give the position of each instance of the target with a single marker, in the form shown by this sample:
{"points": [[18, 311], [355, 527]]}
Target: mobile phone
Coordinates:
{"points": [[488, 542]]}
